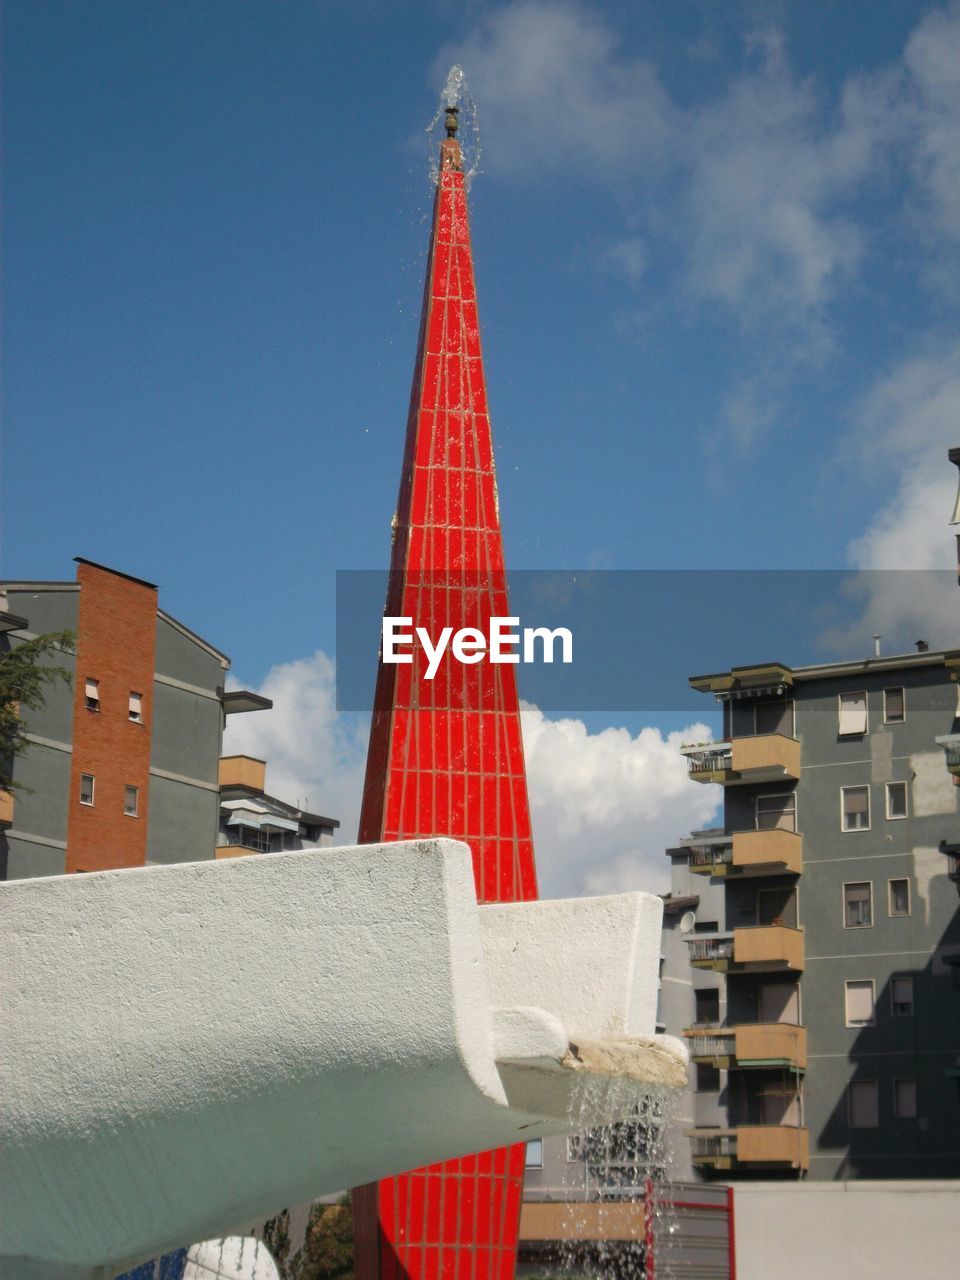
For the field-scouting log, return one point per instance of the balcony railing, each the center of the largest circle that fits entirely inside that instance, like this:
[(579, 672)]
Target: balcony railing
[(710, 950), (711, 1044), (709, 1145), (711, 855), (708, 757)]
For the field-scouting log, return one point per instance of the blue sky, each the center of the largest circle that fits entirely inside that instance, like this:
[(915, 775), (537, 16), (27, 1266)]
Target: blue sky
[(716, 246)]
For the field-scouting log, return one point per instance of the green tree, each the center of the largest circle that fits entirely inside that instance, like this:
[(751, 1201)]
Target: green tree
[(24, 677), (327, 1252)]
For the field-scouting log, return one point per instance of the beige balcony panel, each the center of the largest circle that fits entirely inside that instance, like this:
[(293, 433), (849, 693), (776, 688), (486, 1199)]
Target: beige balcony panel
[(768, 757), (773, 1144), (570, 1221), (243, 771), (772, 946), (6, 809), (778, 849), (771, 1041)]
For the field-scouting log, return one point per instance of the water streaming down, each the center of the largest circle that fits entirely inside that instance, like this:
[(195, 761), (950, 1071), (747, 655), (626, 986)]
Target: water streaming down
[(614, 1220)]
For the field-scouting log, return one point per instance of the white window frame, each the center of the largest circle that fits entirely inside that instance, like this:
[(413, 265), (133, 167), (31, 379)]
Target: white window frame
[(91, 694), (897, 817), (897, 1113), (899, 915), (876, 1094), (93, 789), (527, 1162), (135, 811), (843, 891), (894, 1011), (853, 733), (858, 982), (775, 795), (855, 786), (135, 707), (896, 688)]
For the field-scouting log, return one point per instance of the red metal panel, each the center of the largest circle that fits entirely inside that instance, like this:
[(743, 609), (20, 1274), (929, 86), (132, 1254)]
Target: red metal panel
[(446, 755)]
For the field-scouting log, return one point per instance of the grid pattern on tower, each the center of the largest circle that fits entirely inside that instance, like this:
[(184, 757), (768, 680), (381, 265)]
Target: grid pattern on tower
[(446, 755)]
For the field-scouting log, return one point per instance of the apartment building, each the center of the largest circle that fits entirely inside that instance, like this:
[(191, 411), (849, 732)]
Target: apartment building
[(122, 764), (826, 1026), (251, 821)]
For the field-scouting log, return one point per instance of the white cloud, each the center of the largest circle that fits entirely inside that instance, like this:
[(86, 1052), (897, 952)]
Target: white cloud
[(605, 805), (932, 57), (905, 425)]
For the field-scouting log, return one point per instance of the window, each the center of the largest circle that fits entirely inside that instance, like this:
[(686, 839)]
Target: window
[(135, 708), (707, 1005), (777, 812), (853, 713), (858, 904), (131, 801), (896, 799), (859, 996), (855, 808), (574, 1147), (86, 788), (534, 1158), (708, 1078), (901, 995), (863, 1110), (898, 897), (92, 694), (893, 706), (905, 1099)]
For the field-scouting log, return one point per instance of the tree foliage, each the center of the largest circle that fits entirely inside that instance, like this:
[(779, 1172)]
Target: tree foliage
[(327, 1249), (24, 677)]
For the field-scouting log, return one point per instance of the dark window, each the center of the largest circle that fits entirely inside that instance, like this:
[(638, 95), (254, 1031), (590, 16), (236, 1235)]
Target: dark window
[(707, 1005), (708, 1078)]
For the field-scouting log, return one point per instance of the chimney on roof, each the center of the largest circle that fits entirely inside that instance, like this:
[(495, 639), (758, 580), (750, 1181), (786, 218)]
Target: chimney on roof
[(922, 646), (876, 646)]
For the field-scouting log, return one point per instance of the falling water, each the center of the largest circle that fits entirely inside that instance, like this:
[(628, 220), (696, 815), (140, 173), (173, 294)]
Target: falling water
[(456, 94), (611, 1179)]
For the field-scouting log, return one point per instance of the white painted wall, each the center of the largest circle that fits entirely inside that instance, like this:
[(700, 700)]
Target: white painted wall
[(847, 1230)]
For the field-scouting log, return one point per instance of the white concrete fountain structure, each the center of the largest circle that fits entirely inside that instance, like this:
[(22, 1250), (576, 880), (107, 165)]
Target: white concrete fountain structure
[(188, 1048)]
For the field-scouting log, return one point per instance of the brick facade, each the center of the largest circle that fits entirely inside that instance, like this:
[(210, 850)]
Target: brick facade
[(116, 646)]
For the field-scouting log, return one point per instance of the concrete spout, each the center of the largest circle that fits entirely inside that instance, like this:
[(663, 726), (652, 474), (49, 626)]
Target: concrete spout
[(186, 1048)]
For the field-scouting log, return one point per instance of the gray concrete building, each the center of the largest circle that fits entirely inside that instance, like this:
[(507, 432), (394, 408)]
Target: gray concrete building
[(826, 1027)]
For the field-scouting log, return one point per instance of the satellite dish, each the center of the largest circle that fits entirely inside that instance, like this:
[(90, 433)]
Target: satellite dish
[(687, 921)]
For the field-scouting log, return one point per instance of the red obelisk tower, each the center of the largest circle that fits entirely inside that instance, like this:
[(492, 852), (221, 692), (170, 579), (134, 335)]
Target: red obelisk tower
[(445, 755)]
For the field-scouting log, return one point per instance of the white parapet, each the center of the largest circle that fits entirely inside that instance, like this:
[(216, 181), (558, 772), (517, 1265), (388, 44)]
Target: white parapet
[(189, 1047)]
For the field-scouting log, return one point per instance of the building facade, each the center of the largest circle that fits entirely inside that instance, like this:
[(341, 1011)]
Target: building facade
[(826, 1028), (122, 764)]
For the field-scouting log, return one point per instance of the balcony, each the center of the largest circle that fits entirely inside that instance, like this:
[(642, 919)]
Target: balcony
[(951, 747), (767, 757), (767, 948), (775, 852), (6, 809), (767, 1146), (750, 1045)]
